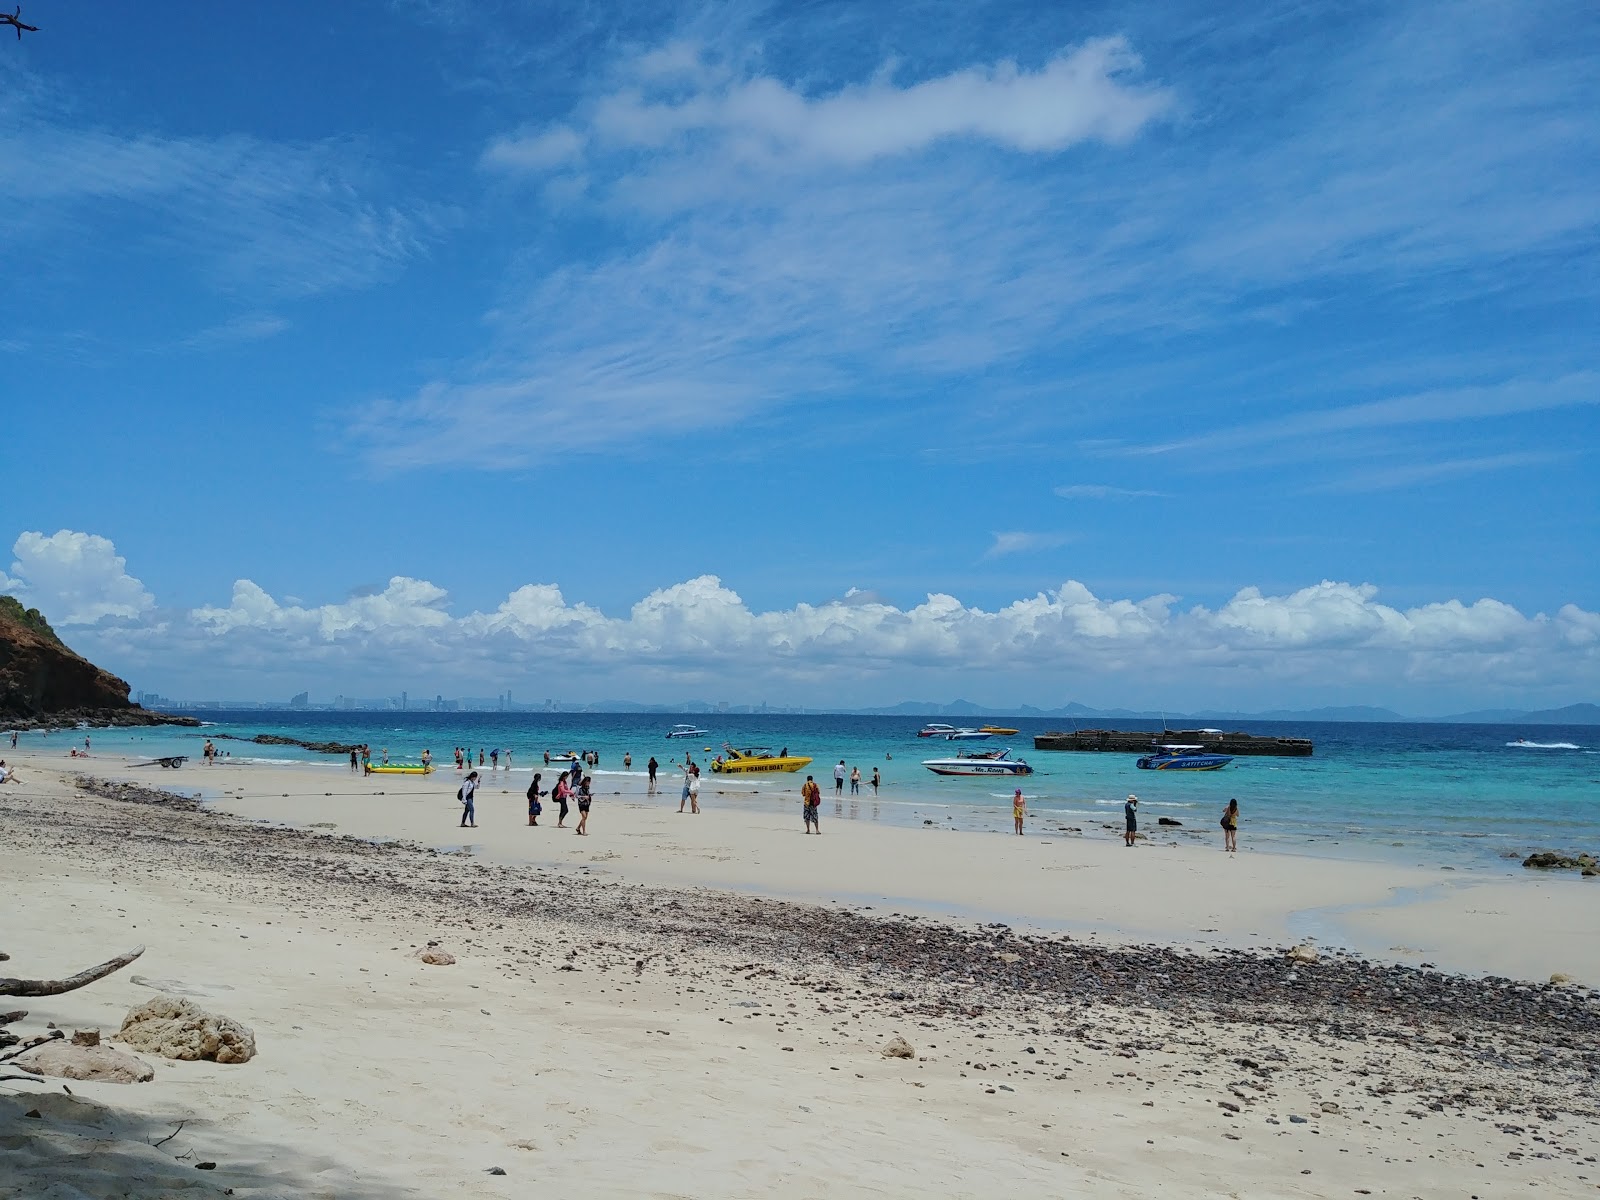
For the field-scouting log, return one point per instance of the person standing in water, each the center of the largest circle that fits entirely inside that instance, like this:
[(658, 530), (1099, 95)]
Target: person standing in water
[(1230, 827), (855, 781), (653, 766), (876, 780), (1019, 810)]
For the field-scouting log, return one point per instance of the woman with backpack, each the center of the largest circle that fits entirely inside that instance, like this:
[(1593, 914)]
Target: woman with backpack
[(562, 791)]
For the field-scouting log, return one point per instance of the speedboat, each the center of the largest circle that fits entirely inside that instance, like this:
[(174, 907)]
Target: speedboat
[(1000, 730), (1183, 758), (755, 760), (968, 735), (937, 730), (994, 762), (678, 731)]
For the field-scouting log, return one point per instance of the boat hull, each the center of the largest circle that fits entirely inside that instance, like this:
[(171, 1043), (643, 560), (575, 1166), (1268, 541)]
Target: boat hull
[(760, 766), (1184, 762), (977, 767)]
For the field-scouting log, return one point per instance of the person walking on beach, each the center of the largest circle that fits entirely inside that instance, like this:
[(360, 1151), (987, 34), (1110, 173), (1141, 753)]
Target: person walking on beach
[(427, 757), (534, 807), (585, 798), (688, 774), (1130, 816), (1230, 827), (694, 789), (561, 795), (627, 761), (1019, 810), (811, 804), (652, 766), (465, 794), (855, 781), (838, 779), (876, 779)]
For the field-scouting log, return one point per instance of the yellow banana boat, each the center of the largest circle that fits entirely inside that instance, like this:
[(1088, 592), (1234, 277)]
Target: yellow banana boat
[(400, 769)]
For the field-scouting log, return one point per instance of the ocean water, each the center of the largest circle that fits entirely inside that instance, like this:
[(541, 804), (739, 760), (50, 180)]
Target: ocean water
[(1413, 791)]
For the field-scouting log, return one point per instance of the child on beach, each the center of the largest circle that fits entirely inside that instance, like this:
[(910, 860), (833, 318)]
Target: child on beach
[(585, 798), (1019, 810), (1230, 827)]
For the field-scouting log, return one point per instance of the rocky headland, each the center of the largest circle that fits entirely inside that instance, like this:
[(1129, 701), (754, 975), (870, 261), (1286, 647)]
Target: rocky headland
[(44, 684)]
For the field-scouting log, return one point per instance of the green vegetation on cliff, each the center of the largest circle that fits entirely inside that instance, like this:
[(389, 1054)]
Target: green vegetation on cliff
[(11, 607)]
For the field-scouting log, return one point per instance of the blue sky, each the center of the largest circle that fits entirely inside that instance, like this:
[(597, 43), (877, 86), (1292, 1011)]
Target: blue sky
[(1166, 355)]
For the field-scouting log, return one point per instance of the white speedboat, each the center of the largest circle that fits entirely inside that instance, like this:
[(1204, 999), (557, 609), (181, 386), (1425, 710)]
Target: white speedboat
[(935, 729), (678, 731), (994, 762), (968, 735)]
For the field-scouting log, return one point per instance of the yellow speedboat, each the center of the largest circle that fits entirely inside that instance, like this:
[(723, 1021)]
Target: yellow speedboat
[(399, 769), (755, 760), (1002, 731)]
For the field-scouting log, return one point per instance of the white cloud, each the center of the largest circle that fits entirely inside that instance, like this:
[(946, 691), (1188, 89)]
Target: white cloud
[(552, 147), (1085, 93), (1018, 542), (701, 631), (74, 579)]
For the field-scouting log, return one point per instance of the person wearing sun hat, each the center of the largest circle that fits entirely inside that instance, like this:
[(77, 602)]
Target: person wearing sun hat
[(1130, 813)]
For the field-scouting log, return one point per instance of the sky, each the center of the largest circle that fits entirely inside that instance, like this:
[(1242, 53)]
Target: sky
[(1167, 355)]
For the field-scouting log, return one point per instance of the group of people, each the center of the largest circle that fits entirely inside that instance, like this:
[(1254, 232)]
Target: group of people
[(839, 775), (1130, 821), (570, 786), (463, 757)]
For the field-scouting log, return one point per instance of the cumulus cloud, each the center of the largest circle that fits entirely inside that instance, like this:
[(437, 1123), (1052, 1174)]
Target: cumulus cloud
[(74, 579), (702, 630)]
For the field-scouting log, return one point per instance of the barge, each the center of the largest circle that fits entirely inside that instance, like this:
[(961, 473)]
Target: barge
[(1145, 741)]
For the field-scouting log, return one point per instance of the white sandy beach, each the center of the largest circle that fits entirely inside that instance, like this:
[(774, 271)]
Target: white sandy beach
[(661, 1072)]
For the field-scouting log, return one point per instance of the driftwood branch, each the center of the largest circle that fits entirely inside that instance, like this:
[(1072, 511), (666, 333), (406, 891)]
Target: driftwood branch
[(15, 21), (55, 1035), (54, 987)]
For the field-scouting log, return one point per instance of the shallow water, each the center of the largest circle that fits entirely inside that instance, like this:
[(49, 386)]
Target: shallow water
[(1439, 791)]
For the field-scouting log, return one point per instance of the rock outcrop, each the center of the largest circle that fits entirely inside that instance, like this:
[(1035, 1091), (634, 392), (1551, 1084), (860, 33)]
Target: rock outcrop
[(176, 1028), (43, 682), (65, 1060)]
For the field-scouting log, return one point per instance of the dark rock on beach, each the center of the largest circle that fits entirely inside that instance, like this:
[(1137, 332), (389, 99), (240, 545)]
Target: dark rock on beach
[(273, 739), (1549, 860)]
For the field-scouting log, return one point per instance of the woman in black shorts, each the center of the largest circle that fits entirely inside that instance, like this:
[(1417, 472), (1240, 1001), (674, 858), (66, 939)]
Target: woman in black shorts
[(585, 798)]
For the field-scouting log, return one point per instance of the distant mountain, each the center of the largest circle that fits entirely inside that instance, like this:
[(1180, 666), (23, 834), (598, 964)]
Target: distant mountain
[(1351, 712), (1572, 714)]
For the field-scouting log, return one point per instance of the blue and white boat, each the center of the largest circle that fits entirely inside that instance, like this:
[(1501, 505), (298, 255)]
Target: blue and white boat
[(678, 731), (993, 762), (1183, 758)]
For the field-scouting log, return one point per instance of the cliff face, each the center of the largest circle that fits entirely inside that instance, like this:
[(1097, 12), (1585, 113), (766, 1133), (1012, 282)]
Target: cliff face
[(41, 677)]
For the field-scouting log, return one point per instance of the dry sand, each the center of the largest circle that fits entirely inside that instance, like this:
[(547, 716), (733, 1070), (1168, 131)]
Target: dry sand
[(682, 1006)]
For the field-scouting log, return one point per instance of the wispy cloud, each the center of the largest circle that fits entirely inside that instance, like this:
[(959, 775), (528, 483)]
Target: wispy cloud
[(1445, 405), (1102, 491), (250, 327), (1383, 479), (1018, 542)]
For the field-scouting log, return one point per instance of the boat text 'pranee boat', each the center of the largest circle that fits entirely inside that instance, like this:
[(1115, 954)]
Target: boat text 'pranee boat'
[(756, 760)]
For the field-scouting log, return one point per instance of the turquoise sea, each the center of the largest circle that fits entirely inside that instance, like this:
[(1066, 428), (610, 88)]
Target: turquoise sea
[(1456, 792)]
